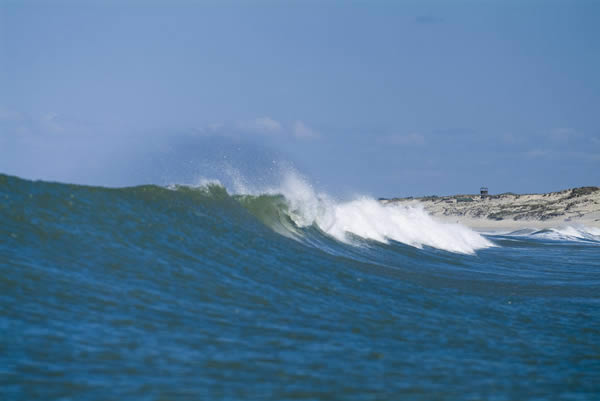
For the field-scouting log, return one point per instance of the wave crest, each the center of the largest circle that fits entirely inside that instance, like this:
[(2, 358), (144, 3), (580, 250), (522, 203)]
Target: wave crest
[(295, 205)]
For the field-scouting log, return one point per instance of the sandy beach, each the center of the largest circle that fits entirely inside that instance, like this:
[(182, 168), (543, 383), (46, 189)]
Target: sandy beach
[(571, 207)]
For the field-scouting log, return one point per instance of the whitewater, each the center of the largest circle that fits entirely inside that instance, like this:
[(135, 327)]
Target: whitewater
[(362, 217), (281, 291)]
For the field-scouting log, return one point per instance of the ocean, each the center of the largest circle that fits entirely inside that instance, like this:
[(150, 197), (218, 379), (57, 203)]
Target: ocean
[(209, 293)]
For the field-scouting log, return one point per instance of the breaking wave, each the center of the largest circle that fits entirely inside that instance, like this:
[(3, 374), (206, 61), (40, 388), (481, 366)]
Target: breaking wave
[(295, 205), (566, 233)]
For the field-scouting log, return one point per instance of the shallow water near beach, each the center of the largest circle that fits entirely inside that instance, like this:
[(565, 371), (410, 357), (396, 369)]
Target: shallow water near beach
[(153, 293)]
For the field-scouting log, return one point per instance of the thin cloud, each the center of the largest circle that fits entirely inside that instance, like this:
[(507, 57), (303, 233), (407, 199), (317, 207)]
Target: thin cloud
[(564, 134), (215, 126), (262, 125), (302, 131), (51, 122)]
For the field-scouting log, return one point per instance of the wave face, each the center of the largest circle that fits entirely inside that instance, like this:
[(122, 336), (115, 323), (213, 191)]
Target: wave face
[(279, 293)]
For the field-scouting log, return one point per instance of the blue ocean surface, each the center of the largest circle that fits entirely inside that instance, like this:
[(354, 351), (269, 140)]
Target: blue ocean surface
[(199, 293)]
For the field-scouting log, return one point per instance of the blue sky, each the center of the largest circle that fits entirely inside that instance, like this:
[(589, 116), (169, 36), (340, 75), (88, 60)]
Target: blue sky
[(380, 97)]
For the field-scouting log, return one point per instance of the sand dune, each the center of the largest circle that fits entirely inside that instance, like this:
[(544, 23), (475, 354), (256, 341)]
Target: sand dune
[(577, 206)]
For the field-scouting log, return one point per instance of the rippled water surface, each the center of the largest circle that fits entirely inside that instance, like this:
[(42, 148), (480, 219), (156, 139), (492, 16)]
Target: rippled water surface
[(150, 293)]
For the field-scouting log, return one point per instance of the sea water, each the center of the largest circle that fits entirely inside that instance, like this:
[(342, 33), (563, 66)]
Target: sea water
[(189, 293)]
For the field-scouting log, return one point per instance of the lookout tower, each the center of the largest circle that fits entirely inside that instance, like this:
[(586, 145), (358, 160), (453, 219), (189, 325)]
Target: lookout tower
[(483, 191)]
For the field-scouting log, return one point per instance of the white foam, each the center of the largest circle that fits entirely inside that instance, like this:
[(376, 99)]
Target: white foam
[(199, 183), (207, 182), (367, 218), (571, 233), (363, 217)]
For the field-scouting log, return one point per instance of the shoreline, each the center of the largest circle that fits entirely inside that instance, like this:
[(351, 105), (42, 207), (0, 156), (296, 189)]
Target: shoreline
[(485, 225), (570, 207)]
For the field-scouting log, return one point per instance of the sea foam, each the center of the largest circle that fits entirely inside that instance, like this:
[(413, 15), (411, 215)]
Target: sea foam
[(368, 218), (570, 233)]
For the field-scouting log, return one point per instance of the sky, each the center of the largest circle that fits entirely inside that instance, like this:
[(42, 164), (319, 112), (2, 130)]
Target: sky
[(383, 98)]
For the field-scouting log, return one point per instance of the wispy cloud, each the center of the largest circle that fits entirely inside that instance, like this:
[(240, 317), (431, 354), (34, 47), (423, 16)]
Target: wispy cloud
[(564, 134), (51, 122), (302, 131), (262, 125), (45, 125)]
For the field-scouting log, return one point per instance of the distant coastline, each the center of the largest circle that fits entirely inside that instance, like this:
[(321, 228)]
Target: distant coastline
[(575, 206)]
